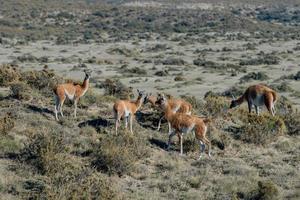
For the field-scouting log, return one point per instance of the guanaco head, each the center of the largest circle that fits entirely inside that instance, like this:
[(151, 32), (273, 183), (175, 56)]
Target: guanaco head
[(87, 74), (146, 99), (141, 93), (161, 100), (233, 103)]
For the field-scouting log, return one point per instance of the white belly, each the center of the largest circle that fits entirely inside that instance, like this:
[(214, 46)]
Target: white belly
[(127, 113), (187, 129), (69, 96), (259, 100)]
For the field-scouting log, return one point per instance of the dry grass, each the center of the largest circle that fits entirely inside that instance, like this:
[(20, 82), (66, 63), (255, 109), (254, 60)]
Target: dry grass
[(253, 157)]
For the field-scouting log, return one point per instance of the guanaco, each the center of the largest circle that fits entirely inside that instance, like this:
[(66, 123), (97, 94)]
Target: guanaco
[(183, 124), (177, 105), (71, 91), (127, 109), (257, 95)]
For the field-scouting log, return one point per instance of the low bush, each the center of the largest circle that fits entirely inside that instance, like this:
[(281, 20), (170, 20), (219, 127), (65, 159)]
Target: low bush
[(179, 78), (21, 91), (215, 105), (264, 59), (254, 76), (261, 129), (6, 123), (162, 73), (266, 190), (118, 154), (124, 51), (116, 88), (44, 152), (135, 70), (8, 75)]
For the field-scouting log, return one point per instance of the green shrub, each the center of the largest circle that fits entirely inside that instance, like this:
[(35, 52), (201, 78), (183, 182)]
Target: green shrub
[(124, 51), (254, 76), (8, 75), (215, 105), (116, 88), (44, 152), (6, 123), (118, 154), (261, 129), (264, 59), (266, 190), (179, 78), (21, 91)]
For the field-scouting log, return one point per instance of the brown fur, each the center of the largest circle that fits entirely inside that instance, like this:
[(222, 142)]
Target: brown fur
[(71, 91), (269, 96), (180, 122), (131, 107)]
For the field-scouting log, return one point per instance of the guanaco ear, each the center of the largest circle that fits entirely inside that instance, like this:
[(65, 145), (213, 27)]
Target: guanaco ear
[(150, 93), (138, 91)]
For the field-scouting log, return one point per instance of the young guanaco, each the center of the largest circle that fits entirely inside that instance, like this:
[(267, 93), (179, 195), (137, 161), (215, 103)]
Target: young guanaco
[(183, 123), (71, 91), (257, 95), (127, 109)]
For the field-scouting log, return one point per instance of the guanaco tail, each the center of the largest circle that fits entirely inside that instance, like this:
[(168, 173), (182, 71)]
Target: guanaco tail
[(127, 109), (183, 124), (71, 91), (257, 96)]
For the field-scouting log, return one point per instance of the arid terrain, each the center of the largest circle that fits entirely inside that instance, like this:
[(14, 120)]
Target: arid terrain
[(202, 51)]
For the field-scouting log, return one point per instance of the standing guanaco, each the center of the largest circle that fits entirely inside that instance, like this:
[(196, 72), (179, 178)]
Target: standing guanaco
[(177, 106), (257, 95), (127, 109), (183, 123), (71, 91)]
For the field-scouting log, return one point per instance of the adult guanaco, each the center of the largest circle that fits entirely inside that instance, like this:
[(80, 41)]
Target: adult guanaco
[(176, 105), (183, 124), (127, 109), (257, 95), (71, 91)]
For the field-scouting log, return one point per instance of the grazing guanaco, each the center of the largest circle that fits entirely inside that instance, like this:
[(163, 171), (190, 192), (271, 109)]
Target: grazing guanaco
[(71, 91), (257, 95), (127, 109), (183, 123)]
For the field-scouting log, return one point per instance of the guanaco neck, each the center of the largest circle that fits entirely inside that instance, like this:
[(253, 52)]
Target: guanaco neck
[(168, 112), (240, 100), (85, 84), (138, 103)]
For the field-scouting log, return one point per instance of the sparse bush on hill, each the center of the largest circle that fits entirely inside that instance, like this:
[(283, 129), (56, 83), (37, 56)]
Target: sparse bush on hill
[(215, 105), (134, 70), (21, 91), (44, 152), (8, 74), (261, 129), (118, 154), (116, 88), (266, 190), (162, 73), (7, 122), (124, 51), (171, 61), (264, 59), (233, 91), (254, 76)]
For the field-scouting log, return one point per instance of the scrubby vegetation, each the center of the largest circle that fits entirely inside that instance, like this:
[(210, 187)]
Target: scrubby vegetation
[(205, 52)]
